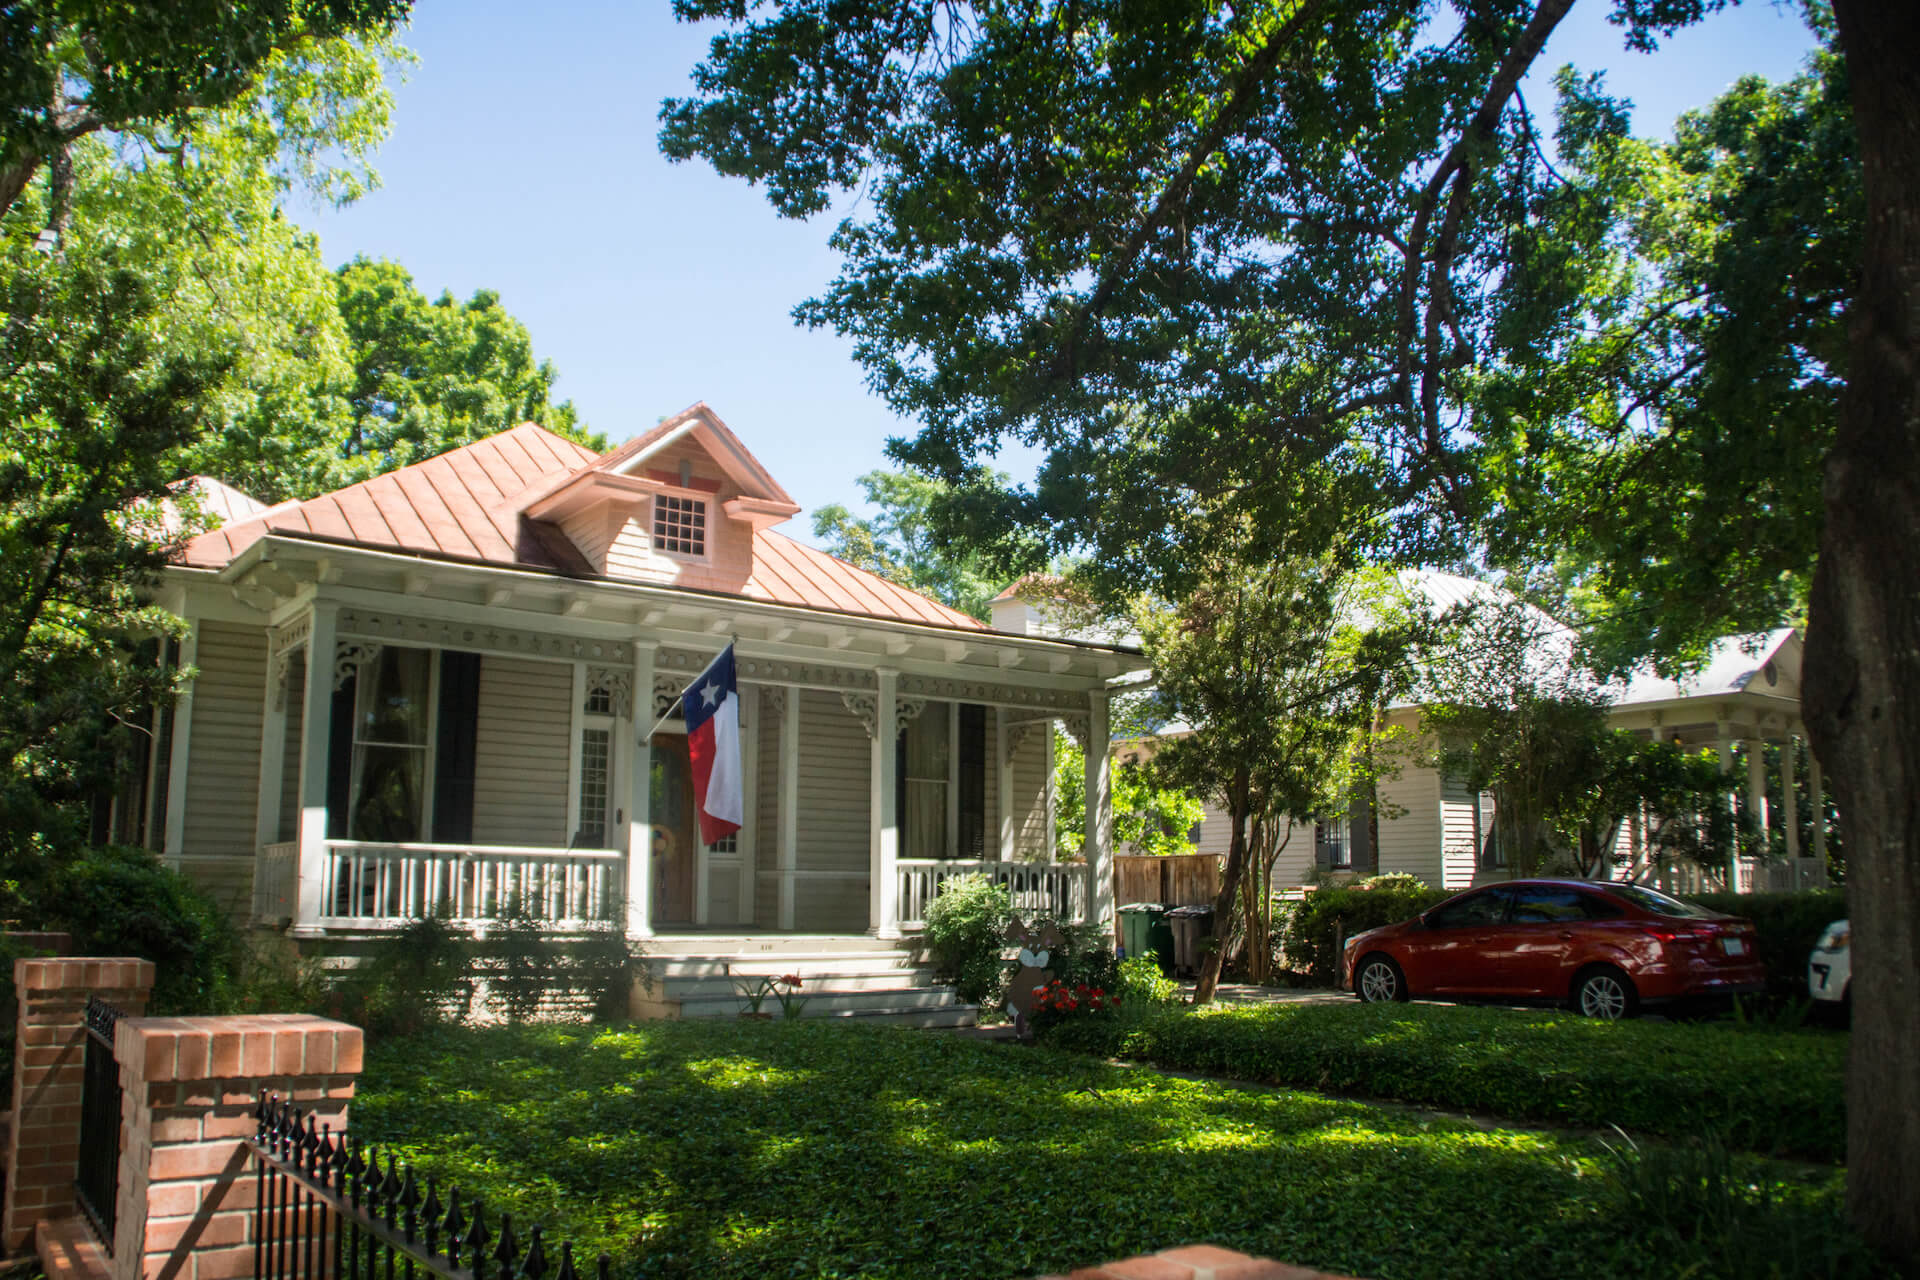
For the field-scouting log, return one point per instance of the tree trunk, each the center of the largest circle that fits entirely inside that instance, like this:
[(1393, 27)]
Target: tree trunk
[(1223, 906), (1863, 636)]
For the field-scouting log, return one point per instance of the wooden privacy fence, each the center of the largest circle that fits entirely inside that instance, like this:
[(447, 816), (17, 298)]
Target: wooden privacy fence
[(1181, 880)]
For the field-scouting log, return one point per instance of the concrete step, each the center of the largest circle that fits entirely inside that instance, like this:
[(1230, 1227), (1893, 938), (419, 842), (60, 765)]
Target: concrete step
[(957, 1015), (824, 1003), (824, 962), (697, 946), (687, 988)]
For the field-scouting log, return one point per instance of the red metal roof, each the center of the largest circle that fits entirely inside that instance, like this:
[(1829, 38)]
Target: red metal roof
[(465, 505)]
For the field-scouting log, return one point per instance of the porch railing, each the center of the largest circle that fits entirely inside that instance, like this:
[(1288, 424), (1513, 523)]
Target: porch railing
[(1058, 889), (276, 881), (383, 886)]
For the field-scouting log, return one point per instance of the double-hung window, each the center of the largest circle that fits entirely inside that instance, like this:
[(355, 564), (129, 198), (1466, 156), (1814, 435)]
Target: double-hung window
[(388, 800)]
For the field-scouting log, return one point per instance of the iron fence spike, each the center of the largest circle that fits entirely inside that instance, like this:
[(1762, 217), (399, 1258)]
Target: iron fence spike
[(566, 1271), (535, 1265), (506, 1251)]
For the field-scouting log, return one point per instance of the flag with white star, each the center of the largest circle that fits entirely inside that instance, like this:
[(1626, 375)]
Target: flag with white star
[(711, 706)]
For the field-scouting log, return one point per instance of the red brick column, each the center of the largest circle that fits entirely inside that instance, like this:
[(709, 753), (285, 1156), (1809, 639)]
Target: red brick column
[(49, 1053), (191, 1085)]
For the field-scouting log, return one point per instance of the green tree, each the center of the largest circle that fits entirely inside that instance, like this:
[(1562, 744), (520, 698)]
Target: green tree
[(1147, 819), (903, 545), (1284, 687), (1192, 250), (429, 376)]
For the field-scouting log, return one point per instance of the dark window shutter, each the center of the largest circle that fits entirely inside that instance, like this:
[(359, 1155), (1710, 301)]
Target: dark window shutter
[(340, 757), (1322, 846), (1360, 833), (454, 736), (973, 781), (900, 790)]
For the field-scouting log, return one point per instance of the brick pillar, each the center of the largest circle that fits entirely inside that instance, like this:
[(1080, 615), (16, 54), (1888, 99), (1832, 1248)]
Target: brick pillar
[(191, 1084), (50, 1050)]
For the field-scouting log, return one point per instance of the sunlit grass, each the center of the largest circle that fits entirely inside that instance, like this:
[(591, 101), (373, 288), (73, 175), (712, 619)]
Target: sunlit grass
[(767, 1149)]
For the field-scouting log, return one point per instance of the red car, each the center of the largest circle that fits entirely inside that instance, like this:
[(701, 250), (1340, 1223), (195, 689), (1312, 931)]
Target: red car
[(1606, 948)]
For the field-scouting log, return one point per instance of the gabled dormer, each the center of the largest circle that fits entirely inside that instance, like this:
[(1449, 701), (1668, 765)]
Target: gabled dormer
[(678, 505)]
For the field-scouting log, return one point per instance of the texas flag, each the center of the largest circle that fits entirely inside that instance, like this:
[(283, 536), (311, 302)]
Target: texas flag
[(712, 710)]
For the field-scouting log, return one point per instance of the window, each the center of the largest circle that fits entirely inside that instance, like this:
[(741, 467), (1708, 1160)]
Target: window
[(596, 772), (1658, 903), (1331, 847), (927, 758), (680, 525), (1549, 906), (388, 787), (1464, 913)]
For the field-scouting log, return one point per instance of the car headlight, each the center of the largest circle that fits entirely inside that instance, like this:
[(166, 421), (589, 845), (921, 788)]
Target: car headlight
[(1837, 936)]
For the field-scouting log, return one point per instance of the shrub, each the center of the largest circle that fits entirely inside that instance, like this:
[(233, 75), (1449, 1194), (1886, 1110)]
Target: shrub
[(967, 929), (1142, 983), (120, 901), (1317, 925), (1787, 925), (1085, 957), (1770, 1091), (524, 963), (1059, 1002), (414, 979)]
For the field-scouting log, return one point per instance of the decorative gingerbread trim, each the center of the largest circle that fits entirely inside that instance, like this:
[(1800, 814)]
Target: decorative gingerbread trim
[(348, 657), (483, 637), (617, 683)]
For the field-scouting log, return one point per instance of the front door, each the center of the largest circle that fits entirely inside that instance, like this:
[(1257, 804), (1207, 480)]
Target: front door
[(674, 853)]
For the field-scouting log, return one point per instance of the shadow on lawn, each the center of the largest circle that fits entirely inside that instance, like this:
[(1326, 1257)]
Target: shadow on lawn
[(758, 1150)]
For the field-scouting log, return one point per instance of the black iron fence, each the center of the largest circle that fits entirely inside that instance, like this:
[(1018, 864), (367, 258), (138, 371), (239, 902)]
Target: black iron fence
[(327, 1210), (96, 1181)]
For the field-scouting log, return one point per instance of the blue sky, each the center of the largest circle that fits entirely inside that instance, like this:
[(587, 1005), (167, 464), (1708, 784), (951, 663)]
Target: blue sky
[(523, 160)]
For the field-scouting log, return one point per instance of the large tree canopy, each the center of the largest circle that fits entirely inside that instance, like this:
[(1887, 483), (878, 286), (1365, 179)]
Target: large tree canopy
[(1193, 250)]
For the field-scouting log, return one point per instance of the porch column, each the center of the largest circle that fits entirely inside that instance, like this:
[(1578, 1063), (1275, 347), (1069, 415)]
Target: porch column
[(174, 838), (883, 806), (789, 806), (273, 749), (316, 747), (1757, 801), (1723, 752), (640, 797), (1790, 805), (1099, 844), (1817, 796)]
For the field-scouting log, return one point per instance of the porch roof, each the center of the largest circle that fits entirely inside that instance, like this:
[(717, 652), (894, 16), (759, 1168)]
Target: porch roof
[(466, 505)]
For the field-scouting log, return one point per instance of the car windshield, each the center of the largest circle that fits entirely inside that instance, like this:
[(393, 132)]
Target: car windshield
[(1659, 903)]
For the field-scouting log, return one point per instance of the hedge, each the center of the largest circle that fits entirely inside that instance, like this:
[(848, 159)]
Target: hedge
[(1788, 925), (1761, 1090)]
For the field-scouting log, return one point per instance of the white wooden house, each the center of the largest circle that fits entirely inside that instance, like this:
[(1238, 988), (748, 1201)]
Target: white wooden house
[(433, 690)]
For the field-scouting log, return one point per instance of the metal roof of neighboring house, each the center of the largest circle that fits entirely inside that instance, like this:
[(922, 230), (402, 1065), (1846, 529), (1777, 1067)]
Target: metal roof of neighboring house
[(221, 503), (466, 504), (1732, 662)]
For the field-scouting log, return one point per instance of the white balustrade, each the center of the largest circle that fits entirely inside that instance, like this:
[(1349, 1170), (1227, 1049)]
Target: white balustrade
[(384, 886), (275, 878), (1058, 889)]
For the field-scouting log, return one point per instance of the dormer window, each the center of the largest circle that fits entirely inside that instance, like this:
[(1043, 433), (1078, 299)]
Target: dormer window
[(680, 525)]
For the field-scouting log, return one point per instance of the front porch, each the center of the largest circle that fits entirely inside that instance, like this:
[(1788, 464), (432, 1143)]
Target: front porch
[(412, 765)]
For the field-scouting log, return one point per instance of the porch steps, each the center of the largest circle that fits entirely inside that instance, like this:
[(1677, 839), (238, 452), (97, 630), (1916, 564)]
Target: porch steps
[(853, 977)]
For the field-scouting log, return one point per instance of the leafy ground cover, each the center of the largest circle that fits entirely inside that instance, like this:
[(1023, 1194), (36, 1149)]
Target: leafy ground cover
[(786, 1149), (1761, 1089)]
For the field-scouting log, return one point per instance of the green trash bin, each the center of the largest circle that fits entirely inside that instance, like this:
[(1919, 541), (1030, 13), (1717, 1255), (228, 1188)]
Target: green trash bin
[(1144, 932)]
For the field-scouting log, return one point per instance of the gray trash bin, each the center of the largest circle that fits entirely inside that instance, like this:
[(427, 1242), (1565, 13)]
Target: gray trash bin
[(1189, 925)]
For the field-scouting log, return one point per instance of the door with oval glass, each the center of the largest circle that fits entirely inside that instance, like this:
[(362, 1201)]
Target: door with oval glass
[(675, 855)]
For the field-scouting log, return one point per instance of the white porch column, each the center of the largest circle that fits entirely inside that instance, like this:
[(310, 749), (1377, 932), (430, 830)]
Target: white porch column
[(1099, 845), (640, 796), (1817, 796), (316, 748), (883, 808), (1723, 750), (1790, 804), (273, 751), (174, 838), (789, 807), (1757, 802)]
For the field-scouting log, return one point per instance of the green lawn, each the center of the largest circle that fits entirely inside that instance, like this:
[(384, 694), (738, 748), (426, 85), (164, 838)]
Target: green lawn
[(1772, 1091), (805, 1149)]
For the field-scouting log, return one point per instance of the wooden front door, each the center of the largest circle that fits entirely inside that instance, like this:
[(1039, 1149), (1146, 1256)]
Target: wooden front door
[(674, 832)]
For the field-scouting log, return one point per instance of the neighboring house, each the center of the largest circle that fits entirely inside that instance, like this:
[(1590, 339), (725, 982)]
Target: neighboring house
[(444, 687), (1435, 828)]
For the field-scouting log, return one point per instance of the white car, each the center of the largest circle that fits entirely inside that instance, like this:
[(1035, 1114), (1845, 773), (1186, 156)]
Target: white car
[(1830, 967)]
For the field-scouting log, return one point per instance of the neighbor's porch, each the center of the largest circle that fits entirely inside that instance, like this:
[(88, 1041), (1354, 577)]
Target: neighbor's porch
[(409, 766)]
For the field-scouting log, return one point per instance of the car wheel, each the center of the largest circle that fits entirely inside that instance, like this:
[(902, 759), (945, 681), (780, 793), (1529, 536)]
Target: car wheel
[(1606, 993), (1378, 979)]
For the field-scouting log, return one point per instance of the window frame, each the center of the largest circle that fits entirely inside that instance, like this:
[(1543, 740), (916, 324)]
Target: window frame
[(429, 749), (705, 502)]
